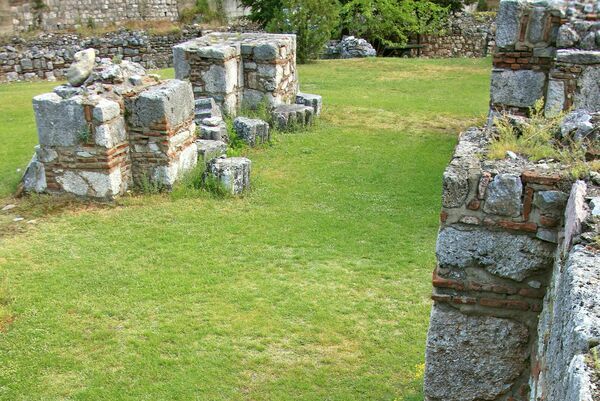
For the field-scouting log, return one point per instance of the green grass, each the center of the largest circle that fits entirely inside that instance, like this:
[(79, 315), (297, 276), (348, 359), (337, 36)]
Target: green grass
[(315, 286)]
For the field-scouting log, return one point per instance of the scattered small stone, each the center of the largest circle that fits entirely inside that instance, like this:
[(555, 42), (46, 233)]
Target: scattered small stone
[(17, 219), (31, 221), (9, 207), (511, 155), (595, 206)]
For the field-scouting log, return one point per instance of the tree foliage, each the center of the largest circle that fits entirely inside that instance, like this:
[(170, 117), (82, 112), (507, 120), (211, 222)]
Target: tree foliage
[(312, 21), (391, 22)]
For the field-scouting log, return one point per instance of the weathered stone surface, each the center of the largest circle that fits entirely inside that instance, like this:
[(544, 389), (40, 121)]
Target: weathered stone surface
[(567, 37), (595, 206), (166, 176), (106, 110), (517, 88), (82, 67), (465, 360), (125, 71), (575, 214), (103, 185), (34, 179), (569, 328), (180, 61), (503, 196), (209, 150), (171, 102), (110, 134), (232, 173), (537, 24), (455, 187), (551, 203), (287, 116), (507, 21), (252, 131), (218, 133), (576, 125), (67, 91), (59, 122), (314, 101), (588, 95), (501, 253), (73, 183), (555, 98), (573, 56)]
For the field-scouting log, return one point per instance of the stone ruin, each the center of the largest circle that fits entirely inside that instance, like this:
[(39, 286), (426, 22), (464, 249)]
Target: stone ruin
[(516, 311), (114, 127), (246, 71)]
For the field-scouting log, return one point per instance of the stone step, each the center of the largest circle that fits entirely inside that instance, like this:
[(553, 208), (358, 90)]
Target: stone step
[(252, 131), (288, 116), (314, 101), (209, 150)]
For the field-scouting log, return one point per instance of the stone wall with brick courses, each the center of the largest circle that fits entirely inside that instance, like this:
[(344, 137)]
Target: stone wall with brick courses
[(509, 256), (500, 225), (48, 56), (120, 130), (466, 35), (240, 70), (546, 51)]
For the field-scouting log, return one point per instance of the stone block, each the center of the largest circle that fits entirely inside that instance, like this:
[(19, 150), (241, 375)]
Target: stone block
[(166, 176), (232, 173), (60, 122), (517, 88), (503, 196), (110, 134), (537, 24), (170, 103), (588, 95), (209, 150), (573, 56), (34, 179), (105, 185), (507, 255), (287, 116), (550, 203), (252, 131), (472, 358), (567, 37), (181, 62), (106, 110), (455, 185), (314, 101), (82, 66), (508, 23)]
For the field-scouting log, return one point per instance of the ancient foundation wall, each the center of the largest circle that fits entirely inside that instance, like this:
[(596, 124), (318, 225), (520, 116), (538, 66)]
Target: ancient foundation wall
[(240, 70), (545, 52), (505, 256), (48, 56), (121, 129)]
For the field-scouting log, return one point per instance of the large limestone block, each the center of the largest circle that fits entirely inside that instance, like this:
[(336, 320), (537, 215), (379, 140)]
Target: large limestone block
[(180, 61), (171, 103), (472, 358), (517, 88), (110, 134), (166, 176), (503, 254), (59, 122), (104, 185)]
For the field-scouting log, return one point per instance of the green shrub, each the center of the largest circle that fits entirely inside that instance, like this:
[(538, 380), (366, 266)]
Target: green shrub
[(202, 8), (312, 21), (391, 22)]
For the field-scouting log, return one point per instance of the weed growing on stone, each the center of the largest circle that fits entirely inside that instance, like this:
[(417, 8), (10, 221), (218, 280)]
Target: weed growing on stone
[(84, 135), (536, 139), (533, 138)]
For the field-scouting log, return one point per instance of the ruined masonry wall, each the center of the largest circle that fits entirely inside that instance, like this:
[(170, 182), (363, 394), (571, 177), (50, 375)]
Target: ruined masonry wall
[(546, 52), (240, 70), (505, 263), (48, 56), (102, 140), (466, 35)]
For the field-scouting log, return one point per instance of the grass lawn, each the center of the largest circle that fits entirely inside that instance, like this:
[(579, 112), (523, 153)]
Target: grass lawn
[(315, 286)]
